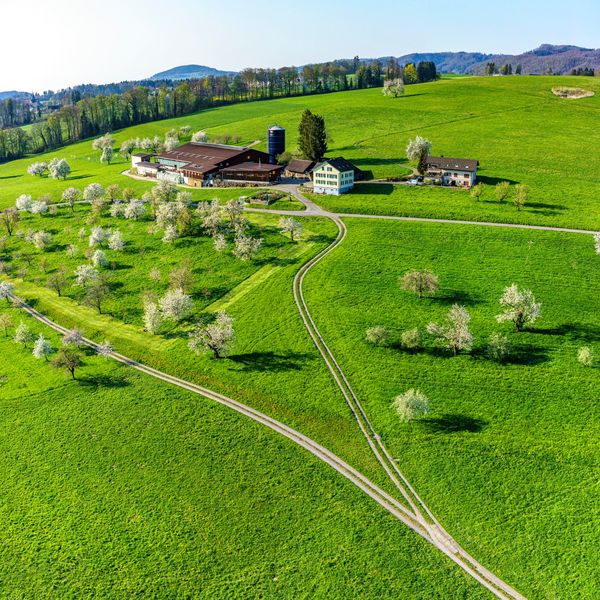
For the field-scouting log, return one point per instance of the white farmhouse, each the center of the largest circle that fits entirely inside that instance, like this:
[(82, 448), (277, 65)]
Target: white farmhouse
[(333, 176)]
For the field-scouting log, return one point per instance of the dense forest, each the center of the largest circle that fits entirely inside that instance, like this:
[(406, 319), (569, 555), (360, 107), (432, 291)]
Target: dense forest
[(78, 115)]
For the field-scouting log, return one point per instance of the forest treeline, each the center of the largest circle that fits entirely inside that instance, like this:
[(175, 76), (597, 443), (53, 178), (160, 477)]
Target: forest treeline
[(80, 116)]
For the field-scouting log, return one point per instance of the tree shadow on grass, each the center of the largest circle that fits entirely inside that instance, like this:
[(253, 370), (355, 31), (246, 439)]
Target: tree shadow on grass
[(320, 238), (494, 180), (526, 355), (271, 361), (456, 297), (572, 331), (453, 423), (76, 177), (372, 189)]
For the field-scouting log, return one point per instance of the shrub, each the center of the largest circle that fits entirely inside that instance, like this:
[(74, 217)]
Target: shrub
[(585, 356), (499, 347), (411, 405), (378, 336), (412, 339)]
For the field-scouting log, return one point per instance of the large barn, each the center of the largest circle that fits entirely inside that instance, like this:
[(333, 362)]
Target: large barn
[(198, 164)]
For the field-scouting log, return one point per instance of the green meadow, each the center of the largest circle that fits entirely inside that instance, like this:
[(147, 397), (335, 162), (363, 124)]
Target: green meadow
[(509, 456), (515, 127), (116, 485)]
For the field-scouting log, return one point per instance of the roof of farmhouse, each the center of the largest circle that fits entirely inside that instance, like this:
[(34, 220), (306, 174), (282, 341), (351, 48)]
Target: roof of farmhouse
[(339, 163), (202, 154), (460, 164)]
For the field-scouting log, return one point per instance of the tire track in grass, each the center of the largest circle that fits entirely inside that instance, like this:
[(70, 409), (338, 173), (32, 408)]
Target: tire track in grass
[(441, 539)]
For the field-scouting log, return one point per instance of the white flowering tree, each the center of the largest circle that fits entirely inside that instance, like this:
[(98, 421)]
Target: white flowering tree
[(455, 333), (519, 306), (219, 242), (59, 168), (127, 148), (170, 143), (93, 192), (291, 226), (200, 137), (392, 88), (106, 141), (6, 291), (167, 213), (105, 349), (41, 239), (39, 208), (115, 241), (107, 155), (73, 337), (597, 242), (24, 202), (176, 305), (170, 234), (42, 348), (86, 275), (37, 169), (135, 210), (99, 259), (97, 237), (153, 318), (70, 196), (411, 405), (246, 247), (117, 209), (216, 337), (23, 335), (418, 149)]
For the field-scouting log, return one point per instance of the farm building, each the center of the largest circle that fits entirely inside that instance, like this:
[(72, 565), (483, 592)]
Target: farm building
[(198, 164), (251, 171), (299, 169), (456, 172), (333, 176)]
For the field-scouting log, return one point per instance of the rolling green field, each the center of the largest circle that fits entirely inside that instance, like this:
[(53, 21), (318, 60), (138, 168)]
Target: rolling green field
[(514, 126), (119, 486), (508, 458), (110, 478)]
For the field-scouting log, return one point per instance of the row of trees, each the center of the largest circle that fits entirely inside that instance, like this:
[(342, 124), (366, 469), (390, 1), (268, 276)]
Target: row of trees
[(492, 68), (82, 117)]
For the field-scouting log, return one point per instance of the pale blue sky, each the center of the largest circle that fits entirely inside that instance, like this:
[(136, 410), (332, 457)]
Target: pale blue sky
[(64, 42)]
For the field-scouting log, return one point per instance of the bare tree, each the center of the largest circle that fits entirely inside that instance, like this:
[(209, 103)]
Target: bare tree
[(69, 359), (420, 282)]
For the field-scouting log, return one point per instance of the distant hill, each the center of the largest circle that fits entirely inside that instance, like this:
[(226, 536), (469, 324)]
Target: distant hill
[(546, 58), (15, 95), (189, 72)]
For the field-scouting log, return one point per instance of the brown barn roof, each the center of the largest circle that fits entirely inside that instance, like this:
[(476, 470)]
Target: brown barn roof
[(460, 164), (204, 157), (297, 165)]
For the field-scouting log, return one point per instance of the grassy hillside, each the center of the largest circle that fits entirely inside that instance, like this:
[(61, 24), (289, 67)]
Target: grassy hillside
[(508, 458), (120, 486), (514, 125)]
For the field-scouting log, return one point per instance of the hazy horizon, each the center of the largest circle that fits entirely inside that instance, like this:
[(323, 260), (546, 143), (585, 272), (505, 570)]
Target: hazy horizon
[(61, 45)]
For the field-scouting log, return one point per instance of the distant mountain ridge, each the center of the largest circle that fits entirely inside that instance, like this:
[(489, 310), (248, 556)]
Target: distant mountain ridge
[(546, 58), (189, 72)]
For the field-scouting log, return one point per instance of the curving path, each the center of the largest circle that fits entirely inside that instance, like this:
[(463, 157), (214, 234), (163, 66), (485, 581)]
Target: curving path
[(429, 532), (314, 210), (413, 512)]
